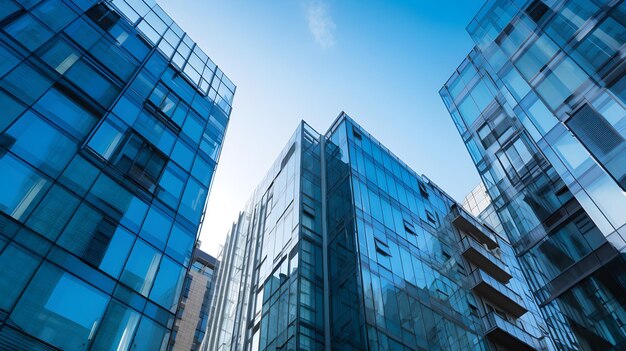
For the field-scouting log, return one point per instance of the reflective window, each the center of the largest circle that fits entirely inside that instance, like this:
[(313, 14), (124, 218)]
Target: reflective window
[(39, 143), (139, 160), (17, 265), (156, 227), (180, 244), (97, 240), (124, 207), (117, 328), (141, 268), (150, 336), (68, 111), (22, 187), (29, 32), (193, 200), (107, 137), (171, 185), (79, 175), (26, 83), (11, 109), (561, 82), (92, 82), (54, 211), (55, 14), (535, 57), (48, 309), (168, 284)]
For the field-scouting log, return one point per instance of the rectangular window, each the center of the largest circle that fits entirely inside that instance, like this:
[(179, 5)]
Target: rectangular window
[(139, 160), (602, 140)]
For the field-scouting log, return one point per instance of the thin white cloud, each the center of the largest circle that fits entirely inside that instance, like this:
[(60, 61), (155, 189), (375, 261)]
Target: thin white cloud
[(321, 23)]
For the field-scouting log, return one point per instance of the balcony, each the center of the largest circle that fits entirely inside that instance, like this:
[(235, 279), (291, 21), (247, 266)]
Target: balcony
[(484, 259), (467, 223), (505, 333), (488, 287)]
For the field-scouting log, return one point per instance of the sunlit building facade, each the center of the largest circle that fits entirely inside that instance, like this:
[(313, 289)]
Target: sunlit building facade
[(344, 247), (540, 104), (111, 125)]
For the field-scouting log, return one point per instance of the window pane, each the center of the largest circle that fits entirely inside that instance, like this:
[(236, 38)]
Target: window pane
[(107, 137), (26, 83), (193, 200), (11, 108), (79, 175), (118, 325), (141, 268), (561, 83), (101, 89), (168, 284), (53, 212), (180, 244), (42, 145), (171, 185), (22, 187), (156, 227), (48, 308), (124, 207), (68, 112), (150, 336), (97, 240), (535, 57), (28, 31), (16, 267)]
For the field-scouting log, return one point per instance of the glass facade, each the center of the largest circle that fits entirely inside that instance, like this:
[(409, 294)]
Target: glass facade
[(111, 122), (192, 315), (344, 247), (540, 105)]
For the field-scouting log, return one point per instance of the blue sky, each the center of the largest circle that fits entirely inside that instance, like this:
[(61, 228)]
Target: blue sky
[(383, 62)]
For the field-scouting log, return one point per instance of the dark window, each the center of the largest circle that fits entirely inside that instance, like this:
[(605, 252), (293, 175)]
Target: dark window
[(602, 140), (139, 160), (537, 10), (103, 16)]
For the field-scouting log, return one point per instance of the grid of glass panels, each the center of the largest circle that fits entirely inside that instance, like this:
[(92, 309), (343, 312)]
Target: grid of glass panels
[(107, 154), (549, 144)]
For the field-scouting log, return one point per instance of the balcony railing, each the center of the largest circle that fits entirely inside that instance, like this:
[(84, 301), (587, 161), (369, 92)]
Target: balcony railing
[(484, 259), (467, 223), (505, 333), (496, 292)]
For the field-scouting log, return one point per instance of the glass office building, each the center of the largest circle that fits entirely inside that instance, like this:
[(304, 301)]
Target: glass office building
[(540, 104), (344, 247), (111, 122), (192, 315)]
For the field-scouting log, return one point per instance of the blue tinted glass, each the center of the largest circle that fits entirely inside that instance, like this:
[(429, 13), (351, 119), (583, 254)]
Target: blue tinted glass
[(17, 265), (168, 284), (10, 110), (127, 110), (193, 128), (8, 60), (48, 308), (156, 227), (55, 14), (26, 83), (183, 155), (141, 268), (82, 33), (150, 336), (202, 170), (28, 31), (53, 212), (41, 144), (121, 200), (107, 137), (171, 185), (155, 132), (93, 83), (68, 113), (180, 244), (193, 200), (22, 187), (79, 175), (117, 251), (118, 325)]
